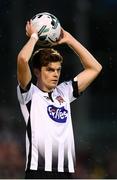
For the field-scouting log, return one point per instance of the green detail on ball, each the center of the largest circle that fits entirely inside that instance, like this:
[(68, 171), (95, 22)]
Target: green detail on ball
[(46, 30)]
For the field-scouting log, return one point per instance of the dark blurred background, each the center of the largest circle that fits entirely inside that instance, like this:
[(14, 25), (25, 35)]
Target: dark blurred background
[(94, 24)]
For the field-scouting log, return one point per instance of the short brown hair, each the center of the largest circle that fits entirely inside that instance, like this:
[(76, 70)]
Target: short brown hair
[(44, 56)]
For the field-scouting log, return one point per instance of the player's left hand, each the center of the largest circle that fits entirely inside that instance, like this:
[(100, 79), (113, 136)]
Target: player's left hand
[(64, 37)]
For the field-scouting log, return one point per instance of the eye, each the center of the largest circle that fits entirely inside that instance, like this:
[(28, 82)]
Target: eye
[(59, 69), (50, 69)]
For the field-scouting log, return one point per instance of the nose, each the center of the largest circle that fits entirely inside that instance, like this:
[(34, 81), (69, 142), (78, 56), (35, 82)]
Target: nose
[(56, 74)]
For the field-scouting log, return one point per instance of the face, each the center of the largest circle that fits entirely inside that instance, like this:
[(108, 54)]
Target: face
[(48, 77)]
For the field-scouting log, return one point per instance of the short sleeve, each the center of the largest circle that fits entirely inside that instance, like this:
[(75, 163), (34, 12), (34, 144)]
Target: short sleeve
[(25, 96), (70, 90)]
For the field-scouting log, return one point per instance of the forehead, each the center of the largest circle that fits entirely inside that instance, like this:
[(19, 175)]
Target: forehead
[(54, 65)]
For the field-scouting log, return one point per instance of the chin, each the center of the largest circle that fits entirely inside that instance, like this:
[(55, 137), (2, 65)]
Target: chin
[(53, 86)]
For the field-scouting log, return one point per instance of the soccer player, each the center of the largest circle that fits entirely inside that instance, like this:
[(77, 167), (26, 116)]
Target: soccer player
[(50, 151)]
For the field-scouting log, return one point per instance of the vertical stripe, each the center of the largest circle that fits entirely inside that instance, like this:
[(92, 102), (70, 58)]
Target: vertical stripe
[(48, 154), (73, 153), (70, 158), (28, 129), (30, 143), (60, 157), (66, 157), (55, 157), (41, 161)]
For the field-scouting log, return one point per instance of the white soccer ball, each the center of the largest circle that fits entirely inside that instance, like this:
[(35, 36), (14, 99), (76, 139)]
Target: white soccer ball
[(48, 27)]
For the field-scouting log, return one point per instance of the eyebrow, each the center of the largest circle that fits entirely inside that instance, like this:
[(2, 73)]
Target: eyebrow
[(53, 69)]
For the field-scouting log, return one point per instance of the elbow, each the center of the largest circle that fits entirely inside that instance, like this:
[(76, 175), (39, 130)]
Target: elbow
[(21, 59), (99, 68)]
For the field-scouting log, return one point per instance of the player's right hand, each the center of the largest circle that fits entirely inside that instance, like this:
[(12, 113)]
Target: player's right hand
[(30, 29)]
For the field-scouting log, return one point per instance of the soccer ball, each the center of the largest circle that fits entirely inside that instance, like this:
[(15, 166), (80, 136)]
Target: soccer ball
[(48, 27)]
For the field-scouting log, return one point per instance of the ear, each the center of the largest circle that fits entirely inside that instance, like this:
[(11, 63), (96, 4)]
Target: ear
[(36, 72)]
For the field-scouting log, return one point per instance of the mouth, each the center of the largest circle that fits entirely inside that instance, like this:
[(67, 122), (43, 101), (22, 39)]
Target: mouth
[(54, 81)]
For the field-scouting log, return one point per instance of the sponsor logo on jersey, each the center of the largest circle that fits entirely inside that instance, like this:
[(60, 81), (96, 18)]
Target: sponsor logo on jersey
[(57, 114)]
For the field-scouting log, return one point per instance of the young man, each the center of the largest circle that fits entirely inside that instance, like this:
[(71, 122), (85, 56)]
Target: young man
[(45, 106)]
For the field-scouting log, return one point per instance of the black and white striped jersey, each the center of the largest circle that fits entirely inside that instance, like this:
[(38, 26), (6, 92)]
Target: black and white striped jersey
[(49, 132)]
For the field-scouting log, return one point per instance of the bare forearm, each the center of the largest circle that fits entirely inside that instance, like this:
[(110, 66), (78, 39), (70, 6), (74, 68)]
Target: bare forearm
[(23, 69), (27, 50), (91, 66)]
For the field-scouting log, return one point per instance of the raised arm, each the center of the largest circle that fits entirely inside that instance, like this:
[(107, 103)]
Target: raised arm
[(23, 69), (91, 66)]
